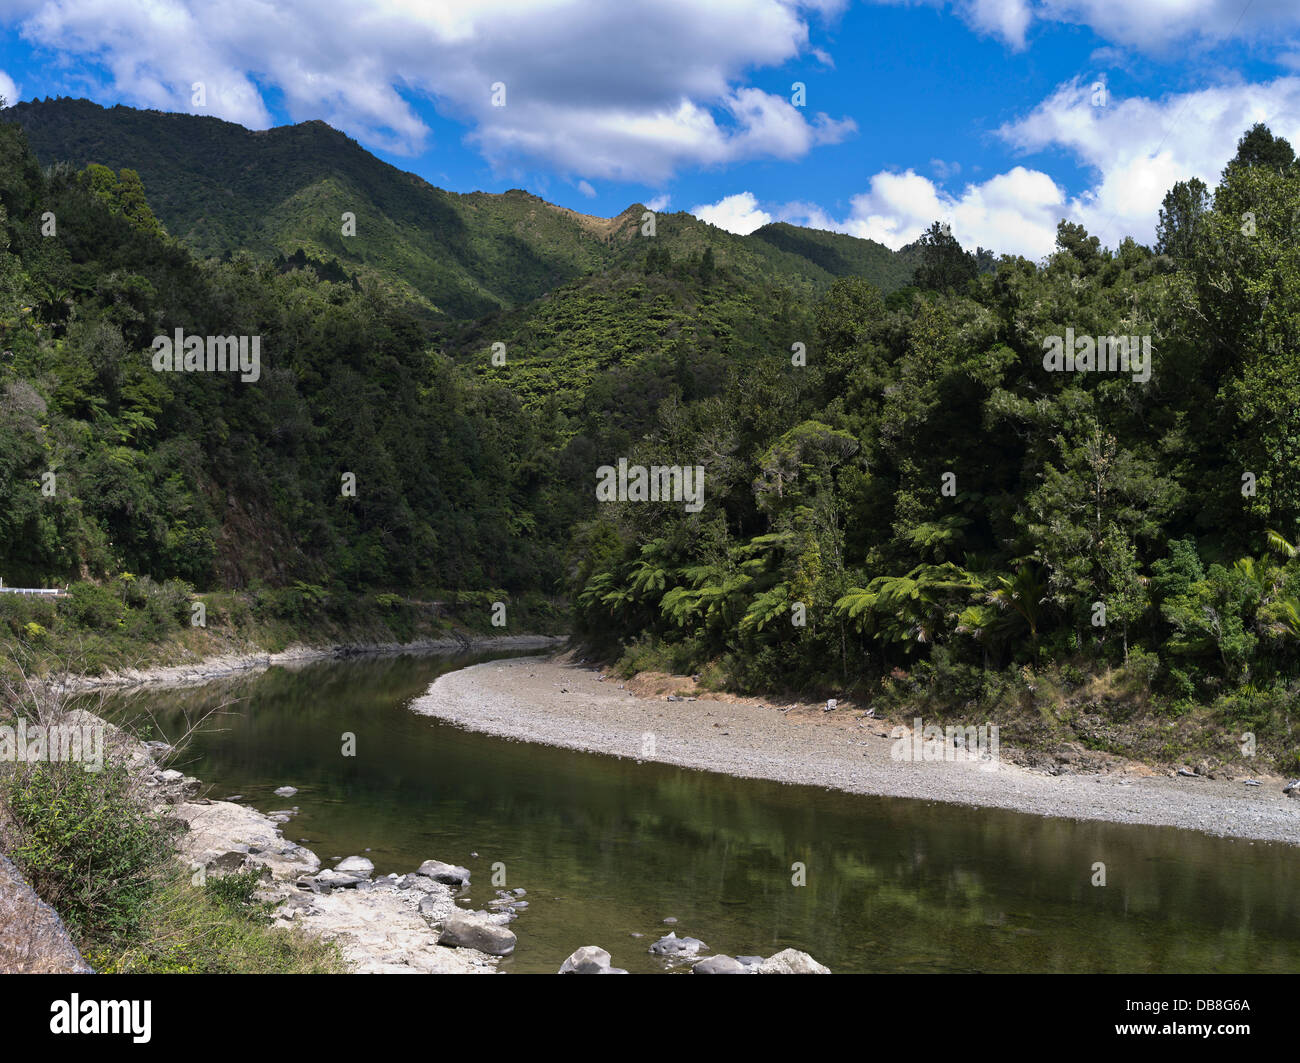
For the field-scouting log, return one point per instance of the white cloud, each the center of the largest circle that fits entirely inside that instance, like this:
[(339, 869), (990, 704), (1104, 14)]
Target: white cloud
[(1148, 25), (1008, 19), (943, 170), (1014, 212), (659, 202), (585, 188), (9, 89), (1156, 25), (630, 91), (1139, 148), (1136, 150), (737, 214)]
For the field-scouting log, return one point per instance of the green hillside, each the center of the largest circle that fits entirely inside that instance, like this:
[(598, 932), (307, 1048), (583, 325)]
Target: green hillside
[(219, 187)]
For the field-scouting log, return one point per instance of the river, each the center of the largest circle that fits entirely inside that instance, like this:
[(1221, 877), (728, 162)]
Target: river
[(607, 848)]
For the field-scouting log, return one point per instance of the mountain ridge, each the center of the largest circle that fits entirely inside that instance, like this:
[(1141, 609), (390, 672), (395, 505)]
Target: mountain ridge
[(219, 188)]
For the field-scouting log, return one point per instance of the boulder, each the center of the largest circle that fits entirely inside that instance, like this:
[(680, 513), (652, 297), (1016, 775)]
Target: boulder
[(330, 879), (791, 961), (590, 959), (466, 930), (355, 865), (721, 965), (675, 947), (448, 874), (419, 883), (286, 791)]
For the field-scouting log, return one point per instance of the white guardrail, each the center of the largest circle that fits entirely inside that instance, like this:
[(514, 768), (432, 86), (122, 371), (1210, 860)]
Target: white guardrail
[(53, 593)]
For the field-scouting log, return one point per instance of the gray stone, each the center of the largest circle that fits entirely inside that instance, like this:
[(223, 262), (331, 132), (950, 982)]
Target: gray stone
[(355, 865), (449, 874), (720, 965), (419, 883), (286, 791), (590, 959), (467, 930), (673, 946), (335, 880)]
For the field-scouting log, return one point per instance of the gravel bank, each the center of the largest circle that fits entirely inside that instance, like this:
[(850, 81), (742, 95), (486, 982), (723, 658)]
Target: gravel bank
[(207, 668), (556, 702)]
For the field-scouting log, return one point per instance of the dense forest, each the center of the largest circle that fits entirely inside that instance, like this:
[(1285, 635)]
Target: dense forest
[(925, 513), (905, 497)]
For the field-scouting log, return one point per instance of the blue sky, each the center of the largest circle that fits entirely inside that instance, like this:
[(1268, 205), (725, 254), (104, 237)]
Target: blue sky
[(985, 113)]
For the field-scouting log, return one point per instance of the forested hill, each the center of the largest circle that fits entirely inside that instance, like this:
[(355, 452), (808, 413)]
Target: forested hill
[(220, 188), (956, 496)]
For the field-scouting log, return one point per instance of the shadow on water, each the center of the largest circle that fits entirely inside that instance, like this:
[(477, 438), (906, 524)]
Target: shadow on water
[(607, 848)]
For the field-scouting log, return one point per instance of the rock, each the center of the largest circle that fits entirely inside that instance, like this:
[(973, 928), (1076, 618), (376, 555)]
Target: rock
[(286, 791), (171, 775), (791, 961), (421, 883), (1187, 774), (467, 930), (33, 939), (673, 946), (590, 959), (232, 860), (1292, 789), (1251, 782), (720, 965), (356, 865), (448, 874), (831, 705), (519, 904), (519, 891), (330, 880), (671, 919), (429, 906), (749, 961)]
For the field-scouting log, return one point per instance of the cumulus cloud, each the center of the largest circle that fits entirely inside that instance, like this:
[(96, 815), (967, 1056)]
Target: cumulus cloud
[(737, 214), (1137, 148), (1156, 24), (1149, 25), (1008, 19), (9, 89), (659, 202), (629, 91)]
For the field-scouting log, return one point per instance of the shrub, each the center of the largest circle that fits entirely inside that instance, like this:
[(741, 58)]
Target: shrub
[(91, 606), (86, 842)]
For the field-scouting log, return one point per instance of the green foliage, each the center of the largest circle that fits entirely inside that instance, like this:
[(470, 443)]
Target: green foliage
[(85, 842)]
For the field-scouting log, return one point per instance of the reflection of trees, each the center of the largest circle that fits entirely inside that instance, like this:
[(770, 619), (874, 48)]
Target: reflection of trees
[(891, 884)]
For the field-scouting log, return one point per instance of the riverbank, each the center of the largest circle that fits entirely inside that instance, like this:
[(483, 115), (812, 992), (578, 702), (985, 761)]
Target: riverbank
[(203, 669), (387, 925), (557, 701)]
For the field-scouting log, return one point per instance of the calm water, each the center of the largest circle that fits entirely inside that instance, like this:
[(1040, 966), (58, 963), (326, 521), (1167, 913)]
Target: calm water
[(607, 847)]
